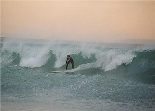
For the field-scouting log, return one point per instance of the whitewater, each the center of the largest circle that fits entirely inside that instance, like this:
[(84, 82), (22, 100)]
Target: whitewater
[(107, 77)]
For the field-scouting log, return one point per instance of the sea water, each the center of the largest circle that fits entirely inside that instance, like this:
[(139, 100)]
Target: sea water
[(107, 77)]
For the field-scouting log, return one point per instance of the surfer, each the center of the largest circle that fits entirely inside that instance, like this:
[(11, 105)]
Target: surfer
[(69, 59)]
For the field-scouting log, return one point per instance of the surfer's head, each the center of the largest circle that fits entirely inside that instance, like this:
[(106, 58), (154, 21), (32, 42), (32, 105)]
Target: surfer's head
[(68, 56)]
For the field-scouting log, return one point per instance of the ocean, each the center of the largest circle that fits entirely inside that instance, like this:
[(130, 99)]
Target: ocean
[(106, 77)]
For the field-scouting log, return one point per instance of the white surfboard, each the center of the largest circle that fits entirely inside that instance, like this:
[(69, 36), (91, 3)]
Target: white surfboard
[(62, 71)]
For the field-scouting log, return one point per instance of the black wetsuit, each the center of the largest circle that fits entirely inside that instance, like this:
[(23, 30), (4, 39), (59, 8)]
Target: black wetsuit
[(69, 59)]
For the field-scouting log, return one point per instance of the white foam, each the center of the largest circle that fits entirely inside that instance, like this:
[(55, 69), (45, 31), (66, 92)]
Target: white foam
[(118, 60), (109, 60), (35, 57)]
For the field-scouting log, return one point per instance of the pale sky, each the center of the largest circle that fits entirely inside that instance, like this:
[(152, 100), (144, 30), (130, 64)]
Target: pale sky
[(106, 21)]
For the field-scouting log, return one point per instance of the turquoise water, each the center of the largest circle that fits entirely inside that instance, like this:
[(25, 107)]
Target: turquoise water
[(104, 79)]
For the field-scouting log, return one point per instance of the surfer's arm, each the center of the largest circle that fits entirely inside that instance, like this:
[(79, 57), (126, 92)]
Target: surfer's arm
[(67, 62)]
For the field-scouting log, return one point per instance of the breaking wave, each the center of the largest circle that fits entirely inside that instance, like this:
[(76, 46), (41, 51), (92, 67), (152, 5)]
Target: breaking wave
[(97, 58)]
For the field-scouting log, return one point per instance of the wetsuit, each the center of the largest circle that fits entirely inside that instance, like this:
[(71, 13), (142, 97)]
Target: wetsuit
[(69, 59)]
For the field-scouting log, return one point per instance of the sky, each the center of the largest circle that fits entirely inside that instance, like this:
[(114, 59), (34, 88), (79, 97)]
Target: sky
[(103, 21)]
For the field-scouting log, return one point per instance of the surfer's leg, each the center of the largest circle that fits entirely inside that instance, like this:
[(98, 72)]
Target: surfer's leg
[(72, 64), (66, 65)]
